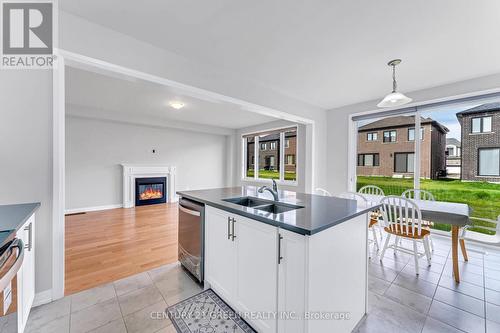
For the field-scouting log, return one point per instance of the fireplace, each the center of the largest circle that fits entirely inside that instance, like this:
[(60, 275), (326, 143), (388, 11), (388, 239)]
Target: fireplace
[(150, 191)]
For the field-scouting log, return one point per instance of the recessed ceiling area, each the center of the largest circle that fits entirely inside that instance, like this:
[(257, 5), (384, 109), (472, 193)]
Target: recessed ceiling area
[(121, 97), (325, 53)]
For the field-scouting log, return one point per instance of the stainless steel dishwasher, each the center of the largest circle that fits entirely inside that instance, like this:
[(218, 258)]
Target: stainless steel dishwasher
[(191, 236)]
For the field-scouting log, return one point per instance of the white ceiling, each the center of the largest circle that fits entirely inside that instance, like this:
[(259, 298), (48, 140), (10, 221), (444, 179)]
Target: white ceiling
[(139, 98), (326, 53)]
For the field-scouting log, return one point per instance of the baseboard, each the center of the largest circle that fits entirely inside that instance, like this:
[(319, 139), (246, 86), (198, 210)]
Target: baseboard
[(91, 209), (43, 297)]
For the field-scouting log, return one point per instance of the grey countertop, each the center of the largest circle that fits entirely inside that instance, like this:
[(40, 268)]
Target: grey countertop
[(12, 217), (319, 212)]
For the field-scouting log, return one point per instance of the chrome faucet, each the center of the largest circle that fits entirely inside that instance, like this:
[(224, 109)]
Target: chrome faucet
[(274, 190)]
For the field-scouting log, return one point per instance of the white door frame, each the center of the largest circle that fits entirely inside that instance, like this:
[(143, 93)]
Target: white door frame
[(65, 58)]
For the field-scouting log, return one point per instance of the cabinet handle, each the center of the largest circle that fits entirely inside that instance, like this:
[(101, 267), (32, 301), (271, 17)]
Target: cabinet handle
[(279, 249), (29, 228), (228, 227), (233, 236)]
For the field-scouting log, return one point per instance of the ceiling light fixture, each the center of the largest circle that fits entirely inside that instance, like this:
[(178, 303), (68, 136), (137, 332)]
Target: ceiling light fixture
[(394, 98), (176, 105)]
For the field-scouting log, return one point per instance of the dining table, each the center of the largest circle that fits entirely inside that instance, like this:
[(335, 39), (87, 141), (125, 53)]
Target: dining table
[(453, 213)]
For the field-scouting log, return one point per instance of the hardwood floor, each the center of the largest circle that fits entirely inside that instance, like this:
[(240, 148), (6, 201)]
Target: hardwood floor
[(108, 245)]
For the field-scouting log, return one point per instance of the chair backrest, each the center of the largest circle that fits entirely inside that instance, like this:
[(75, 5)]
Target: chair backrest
[(418, 195), (353, 196), (324, 192), (401, 215), (371, 189)]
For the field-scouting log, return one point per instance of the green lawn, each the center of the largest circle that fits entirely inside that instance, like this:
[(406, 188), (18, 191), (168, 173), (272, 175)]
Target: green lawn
[(268, 174), (482, 197)]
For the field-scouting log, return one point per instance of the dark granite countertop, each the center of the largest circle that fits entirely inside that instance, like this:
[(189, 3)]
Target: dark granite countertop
[(12, 217), (319, 212)]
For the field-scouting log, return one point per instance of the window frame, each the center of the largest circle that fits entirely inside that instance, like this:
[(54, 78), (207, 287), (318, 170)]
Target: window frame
[(422, 132), (375, 159), (373, 134), (481, 124), (406, 162), (479, 161), (390, 136), (282, 159)]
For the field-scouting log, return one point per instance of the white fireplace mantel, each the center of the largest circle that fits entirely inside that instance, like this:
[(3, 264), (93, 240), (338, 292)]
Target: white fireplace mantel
[(131, 172)]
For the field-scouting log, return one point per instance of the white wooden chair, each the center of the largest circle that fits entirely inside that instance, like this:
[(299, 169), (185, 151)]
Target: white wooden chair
[(421, 195), (323, 192), (373, 217), (372, 190), (402, 218)]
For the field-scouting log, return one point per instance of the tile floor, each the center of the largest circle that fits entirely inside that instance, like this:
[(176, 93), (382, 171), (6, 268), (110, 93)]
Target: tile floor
[(399, 301)]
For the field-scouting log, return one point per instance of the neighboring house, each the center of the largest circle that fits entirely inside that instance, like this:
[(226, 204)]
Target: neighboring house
[(270, 151), (386, 147), (453, 158), (481, 142)]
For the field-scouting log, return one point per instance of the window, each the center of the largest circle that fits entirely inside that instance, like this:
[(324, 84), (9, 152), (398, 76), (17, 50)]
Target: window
[(489, 162), (411, 134), (372, 136), (450, 151), (389, 136), (404, 162), (368, 160), (250, 158), (481, 125), (276, 157)]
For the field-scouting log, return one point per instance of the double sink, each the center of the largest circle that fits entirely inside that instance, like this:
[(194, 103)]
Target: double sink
[(268, 206)]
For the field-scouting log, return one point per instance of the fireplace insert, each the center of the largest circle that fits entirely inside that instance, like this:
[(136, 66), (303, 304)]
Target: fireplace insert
[(150, 191)]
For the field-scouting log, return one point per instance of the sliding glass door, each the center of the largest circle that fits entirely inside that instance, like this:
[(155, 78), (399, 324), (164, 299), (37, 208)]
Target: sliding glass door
[(451, 150)]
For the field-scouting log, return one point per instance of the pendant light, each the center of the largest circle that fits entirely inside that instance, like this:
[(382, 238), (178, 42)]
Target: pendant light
[(394, 98)]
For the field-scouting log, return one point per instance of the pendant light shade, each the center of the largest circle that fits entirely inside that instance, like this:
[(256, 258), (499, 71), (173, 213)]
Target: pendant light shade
[(394, 98)]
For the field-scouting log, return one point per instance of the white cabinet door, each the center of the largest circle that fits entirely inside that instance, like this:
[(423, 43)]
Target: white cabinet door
[(26, 275), (257, 272), (220, 254), (291, 282)]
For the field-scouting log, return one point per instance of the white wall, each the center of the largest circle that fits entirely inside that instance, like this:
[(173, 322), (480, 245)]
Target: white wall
[(338, 122), (26, 154), (301, 154), (96, 148)]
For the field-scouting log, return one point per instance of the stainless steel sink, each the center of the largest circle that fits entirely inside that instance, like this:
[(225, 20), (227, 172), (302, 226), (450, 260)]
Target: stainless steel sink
[(277, 208), (263, 205), (248, 201)]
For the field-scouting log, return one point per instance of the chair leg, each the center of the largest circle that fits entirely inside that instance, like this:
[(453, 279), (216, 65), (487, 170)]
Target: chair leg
[(385, 246), (375, 239), (427, 250), (432, 244), (397, 244), (415, 254), (464, 250)]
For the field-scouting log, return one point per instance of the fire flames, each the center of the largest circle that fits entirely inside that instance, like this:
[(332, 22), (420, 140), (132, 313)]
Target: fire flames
[(150, 193)]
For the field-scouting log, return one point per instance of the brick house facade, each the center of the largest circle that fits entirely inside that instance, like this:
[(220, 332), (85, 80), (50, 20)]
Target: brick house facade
[(481, 143), (386, 147)]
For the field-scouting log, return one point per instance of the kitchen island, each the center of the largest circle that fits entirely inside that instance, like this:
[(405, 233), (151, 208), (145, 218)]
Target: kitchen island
[(297, 265)]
